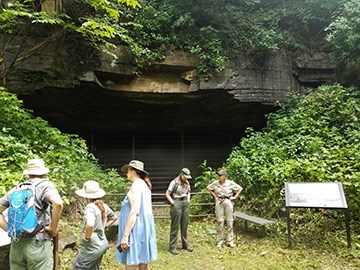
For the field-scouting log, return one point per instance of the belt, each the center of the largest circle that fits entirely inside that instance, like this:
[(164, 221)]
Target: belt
[(180, 198), (224, 197)]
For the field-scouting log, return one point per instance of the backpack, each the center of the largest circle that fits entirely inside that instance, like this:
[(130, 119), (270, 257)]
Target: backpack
[(174, 189), (22, 219)]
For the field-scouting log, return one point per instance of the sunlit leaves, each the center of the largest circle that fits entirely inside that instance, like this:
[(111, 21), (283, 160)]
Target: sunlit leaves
[(130, 3), (24, 136)]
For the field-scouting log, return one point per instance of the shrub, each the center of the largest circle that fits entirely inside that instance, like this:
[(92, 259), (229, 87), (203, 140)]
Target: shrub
[(24, 136), (313, 138)]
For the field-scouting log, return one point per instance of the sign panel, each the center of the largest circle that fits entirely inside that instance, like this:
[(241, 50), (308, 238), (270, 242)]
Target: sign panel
[(315, 195), (4, 238)]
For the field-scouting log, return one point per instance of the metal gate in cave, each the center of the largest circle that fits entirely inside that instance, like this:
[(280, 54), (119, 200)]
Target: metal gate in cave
[(164, 153)]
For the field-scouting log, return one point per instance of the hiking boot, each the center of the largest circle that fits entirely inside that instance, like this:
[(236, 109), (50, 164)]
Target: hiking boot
[(174, 252), (231, 245), (188, 249)]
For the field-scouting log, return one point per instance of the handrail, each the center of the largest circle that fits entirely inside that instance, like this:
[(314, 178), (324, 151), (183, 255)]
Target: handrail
[(166, 205), (158, 194)]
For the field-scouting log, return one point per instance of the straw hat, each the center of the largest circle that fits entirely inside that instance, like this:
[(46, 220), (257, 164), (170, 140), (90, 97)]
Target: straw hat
[(36, 167), (136, 164), (91, 190)]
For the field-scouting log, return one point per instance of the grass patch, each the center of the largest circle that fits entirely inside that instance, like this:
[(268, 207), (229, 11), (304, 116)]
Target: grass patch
[(322, 251)]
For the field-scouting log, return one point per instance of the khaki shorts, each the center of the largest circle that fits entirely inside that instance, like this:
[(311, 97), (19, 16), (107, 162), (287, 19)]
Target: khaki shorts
[(31, 254)]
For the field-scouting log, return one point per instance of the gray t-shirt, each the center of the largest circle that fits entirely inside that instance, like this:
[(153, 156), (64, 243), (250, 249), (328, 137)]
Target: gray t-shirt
[(44, 190), (98, 244), (181, 191)]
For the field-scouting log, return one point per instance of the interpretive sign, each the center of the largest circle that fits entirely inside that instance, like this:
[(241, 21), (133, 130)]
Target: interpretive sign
[(5, 240), (316, 195)]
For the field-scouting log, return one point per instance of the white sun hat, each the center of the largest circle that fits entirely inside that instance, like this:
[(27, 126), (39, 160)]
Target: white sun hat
[(91, 189), (36, 167)]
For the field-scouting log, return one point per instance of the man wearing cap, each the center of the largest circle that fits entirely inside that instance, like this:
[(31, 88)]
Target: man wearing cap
[(36, 252), (178, 195), (223, 191)]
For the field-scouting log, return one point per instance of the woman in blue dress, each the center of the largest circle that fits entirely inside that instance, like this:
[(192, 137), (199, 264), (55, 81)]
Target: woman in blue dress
[(136, 237)]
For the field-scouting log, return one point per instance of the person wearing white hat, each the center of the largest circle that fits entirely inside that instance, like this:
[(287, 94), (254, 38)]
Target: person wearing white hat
[(97, 216), (136, 236), (224, 191), (23, 254), (178, 195)]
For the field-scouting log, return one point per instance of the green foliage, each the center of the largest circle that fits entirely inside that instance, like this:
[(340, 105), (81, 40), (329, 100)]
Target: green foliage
[(201, 29), (343, 33), (207, 177), (96, 22), (306, 21), (314, 138), (219, 30), (215, 30), (66, 155)]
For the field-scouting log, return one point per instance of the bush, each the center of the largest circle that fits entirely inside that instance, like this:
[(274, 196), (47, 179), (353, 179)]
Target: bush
[(24, 136), (313, 138)]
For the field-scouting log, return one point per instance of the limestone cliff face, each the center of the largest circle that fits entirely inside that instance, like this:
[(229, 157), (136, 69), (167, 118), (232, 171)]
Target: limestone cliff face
[(177, 74), (64, 67), (72, 86)]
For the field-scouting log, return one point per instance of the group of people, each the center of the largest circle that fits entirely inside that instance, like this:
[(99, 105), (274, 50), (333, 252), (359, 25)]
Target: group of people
[(223, 190), (136, 245)]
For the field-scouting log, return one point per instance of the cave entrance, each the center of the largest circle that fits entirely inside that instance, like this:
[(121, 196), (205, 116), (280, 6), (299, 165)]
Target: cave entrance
[(165, 131)]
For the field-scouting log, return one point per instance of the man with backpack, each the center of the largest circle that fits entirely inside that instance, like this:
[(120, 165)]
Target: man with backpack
[(34, 208)]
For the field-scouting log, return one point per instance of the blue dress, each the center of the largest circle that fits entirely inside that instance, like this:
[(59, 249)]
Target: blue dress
[(142, 239)]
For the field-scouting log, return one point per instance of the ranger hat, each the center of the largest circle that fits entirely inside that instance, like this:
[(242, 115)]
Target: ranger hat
[(186, 172), (222, 172)]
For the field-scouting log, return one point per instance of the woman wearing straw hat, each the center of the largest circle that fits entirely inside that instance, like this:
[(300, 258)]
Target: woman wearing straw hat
[(137, 239), (97, 216)]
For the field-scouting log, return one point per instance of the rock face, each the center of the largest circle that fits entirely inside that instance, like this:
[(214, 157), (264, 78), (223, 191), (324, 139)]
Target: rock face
[(70, 89), (77, 89)]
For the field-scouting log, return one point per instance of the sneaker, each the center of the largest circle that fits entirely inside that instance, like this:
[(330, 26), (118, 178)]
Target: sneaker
[(231, 245), (188, 249), (174, 252), (219, 245)]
